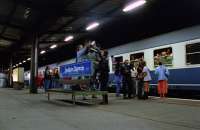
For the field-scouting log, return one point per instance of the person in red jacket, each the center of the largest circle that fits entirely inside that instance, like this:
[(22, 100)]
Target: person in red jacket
[(39, 80)]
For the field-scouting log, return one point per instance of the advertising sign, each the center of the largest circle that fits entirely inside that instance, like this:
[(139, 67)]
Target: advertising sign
[(76, 69)]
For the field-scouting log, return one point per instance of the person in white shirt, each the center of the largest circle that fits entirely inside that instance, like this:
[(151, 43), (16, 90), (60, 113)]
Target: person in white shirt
[(147, 79), (134, 79)]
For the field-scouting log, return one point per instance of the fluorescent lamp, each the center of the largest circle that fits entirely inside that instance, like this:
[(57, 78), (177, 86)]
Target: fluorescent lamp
[(24, 61), (69, 38), (134, 5), (42, 52), (92, 26), (53, 46), (20, 63), (29, 59)]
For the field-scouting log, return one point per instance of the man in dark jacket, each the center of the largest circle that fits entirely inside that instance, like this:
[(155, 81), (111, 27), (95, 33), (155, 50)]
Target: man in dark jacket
[(140, 78), (127, 81), (104, 73), (47, 78)]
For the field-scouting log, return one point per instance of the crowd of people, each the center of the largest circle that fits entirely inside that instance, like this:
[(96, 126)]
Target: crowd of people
[(48, 79), (129, 79), (134, 80), (99, 58)]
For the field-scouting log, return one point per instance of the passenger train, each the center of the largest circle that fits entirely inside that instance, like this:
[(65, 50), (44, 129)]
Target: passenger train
[(180, 52)]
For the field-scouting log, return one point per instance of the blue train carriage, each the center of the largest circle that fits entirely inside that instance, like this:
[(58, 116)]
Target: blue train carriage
[(184, 68), (182, 60)]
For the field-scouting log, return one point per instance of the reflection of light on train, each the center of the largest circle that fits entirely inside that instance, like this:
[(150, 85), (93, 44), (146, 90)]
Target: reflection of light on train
[(179, 50)]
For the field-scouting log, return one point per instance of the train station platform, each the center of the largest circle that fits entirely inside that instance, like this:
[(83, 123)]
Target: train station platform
[(20, 110)]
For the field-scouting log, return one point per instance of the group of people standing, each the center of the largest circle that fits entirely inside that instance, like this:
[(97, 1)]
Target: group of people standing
[(134, 81), (99, 57), (50, 78)]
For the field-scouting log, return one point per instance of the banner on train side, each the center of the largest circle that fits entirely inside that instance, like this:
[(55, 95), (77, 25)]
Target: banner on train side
[(76, 69)]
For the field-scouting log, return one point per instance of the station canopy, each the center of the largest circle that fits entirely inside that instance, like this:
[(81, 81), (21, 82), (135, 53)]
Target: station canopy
[(52, 21)]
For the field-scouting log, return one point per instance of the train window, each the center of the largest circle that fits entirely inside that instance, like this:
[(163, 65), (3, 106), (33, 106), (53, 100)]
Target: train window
[(193, 53), (164, 55), (135, 58), (115, 60), (118, 59)]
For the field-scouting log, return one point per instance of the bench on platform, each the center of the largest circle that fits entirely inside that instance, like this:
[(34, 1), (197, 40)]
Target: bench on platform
[(76, 70), (76, 93)]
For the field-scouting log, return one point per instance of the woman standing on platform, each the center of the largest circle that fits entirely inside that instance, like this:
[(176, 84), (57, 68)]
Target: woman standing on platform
[(163, 74), (147, 79), (140, 79), (55, 78), (118, 78), (47, 78)]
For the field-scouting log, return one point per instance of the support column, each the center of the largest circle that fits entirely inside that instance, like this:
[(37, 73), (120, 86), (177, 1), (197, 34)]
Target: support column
[(10, 73), (34, 64)]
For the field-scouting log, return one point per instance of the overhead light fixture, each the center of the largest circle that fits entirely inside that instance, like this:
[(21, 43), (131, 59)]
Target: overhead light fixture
[(134, 5), (27, 13), (24, 61), (92, 26), (53, 46), (14, 66), (29, 59), (69, 38), (20, 63), (42, 52)]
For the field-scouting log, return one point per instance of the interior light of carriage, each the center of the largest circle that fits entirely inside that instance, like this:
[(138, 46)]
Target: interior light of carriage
[(69, 38), (134, 5), (92, 26), (42, 52), (20, 63), (24, 61), (29, 59), (53, 46)]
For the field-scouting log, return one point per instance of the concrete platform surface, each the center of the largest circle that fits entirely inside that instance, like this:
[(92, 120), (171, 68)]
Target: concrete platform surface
[(20, 110)]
